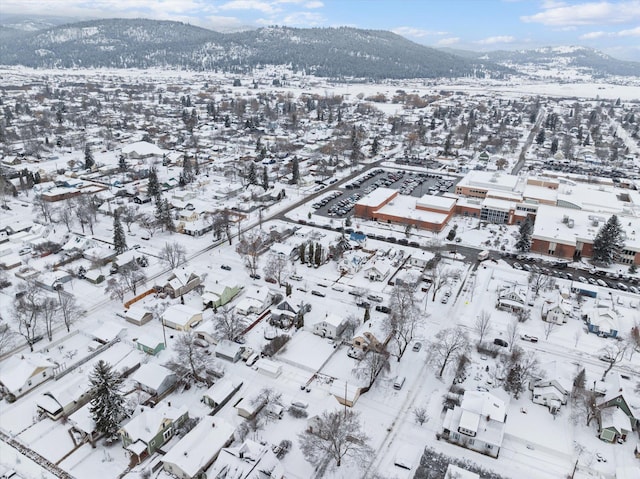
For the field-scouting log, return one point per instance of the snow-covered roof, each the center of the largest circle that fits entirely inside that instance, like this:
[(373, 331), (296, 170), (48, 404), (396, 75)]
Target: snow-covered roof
[(250, 460), (196, 449), (377, 196), (151, 375), (146, 425), (180, 314), (16, 370), (332, 320), (222, 389), (142, 148), (437, 202)]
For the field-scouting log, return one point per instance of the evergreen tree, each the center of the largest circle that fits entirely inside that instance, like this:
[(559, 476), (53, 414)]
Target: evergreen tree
[(554, 146), (107, 402), (524, 239), (447, 145), (119, 238), (375, 146), (295, 170), (252, 176), (122, 164), (187, 170), (540, 137), (265, 178), (608, 242), (259, 144), (317, 255), (167, 220), (302, 253), (311, 255), (515, 381), (88, 158)]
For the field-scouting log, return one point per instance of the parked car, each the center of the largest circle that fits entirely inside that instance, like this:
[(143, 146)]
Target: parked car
[(622, 287), (226, 267), (295, 277), (606, 358), (531, 339), (363, 304), (500, 342), (373, 297), (315, 292), (602, 283), (417, 346), (383, 309)]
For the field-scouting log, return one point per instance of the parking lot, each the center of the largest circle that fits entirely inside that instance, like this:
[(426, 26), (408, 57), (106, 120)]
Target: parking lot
[(340, 203)]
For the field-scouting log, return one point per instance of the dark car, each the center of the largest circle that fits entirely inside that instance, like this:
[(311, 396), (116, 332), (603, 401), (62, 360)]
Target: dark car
[(500, 342), (255, 276), (226, 267), (363, 304), (383, 309)]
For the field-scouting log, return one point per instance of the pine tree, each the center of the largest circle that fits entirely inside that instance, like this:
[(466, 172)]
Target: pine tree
[(88, 158), (265, 178), (122, 164), (119, 238), (107, 403), (302, 253), (375, 146), (187, 170), (167, 220), (317, 255), (252, 176), (514, 383), (524, 240), (554, 146), (608, 242), (540, 137), (295, 170), (153, 187)]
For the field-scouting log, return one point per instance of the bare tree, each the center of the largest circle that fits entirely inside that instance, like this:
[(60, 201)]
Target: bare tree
[(190, 361), (50, 315), (277, 267), (228, 324), (150, 224), (538, 281), (483, 324), (633, 341), (173, 254), (337, 435), (70, 310), (548, 328), (513, 329), (129, 215), (6, 337), (250, 248), (584, 405), (371, 365), (441, 276), (27, 310), (66, 215), (404, 318), (614, 352), (116, 288), (132, 275), (40, 205), (448, 344), (420, 415)]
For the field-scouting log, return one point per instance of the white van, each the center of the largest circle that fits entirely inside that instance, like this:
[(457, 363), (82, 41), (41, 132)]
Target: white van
[(398, 382)]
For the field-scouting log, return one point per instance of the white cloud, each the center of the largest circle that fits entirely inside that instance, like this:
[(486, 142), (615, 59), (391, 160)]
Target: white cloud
[(496, 39), (593, 35), (415, 32), (634, 32), (314, 4), (303, 19), (448, 41), (264, 7), (590, 13)]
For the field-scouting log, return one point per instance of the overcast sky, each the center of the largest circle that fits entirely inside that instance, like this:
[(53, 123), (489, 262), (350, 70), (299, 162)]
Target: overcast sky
[(612, 26)]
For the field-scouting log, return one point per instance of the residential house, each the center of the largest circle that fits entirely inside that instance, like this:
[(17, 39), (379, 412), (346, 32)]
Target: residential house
[(284, 315), (181, 317), (180, 282), (255, 300), (612, 425), (218, 294), (146, 432), (479, 422), (511, 299), (141, 150), (584, 289), (377, 273), (249, 407), (602, 321), (345, 393), (370, 337), (149, 343), (552, 390), (64, 397), (269, 367), (138, 315), (331, 326), (21, 373), (220, 393), (250, 460), (228, 350), (199, 448), (154, 379), (556, 311)]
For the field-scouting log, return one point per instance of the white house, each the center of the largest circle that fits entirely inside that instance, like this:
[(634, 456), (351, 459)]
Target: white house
[(552, 390), (138, 315), (479, 422), (220, 393), (228, 350), (556, 311), (250, 460), (64, 397), (331, 326), (377, 273), (21, 373), (154, 378), (512, 299), (255, 300), (181, 317), (197, 450)]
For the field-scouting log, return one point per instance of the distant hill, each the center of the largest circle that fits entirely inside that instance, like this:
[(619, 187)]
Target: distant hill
[(330, 52), (585, 59)]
